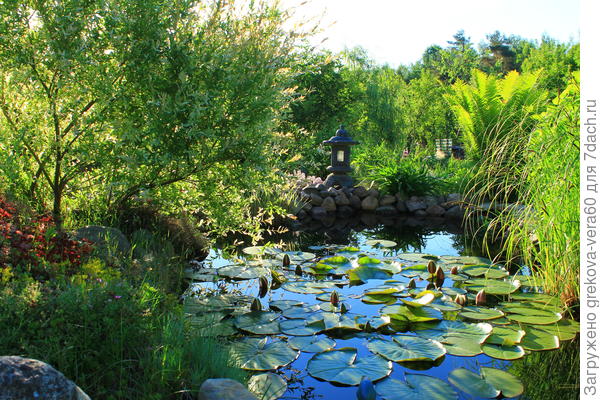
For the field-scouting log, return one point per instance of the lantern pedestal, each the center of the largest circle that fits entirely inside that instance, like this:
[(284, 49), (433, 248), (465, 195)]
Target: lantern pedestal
[(340, 159)]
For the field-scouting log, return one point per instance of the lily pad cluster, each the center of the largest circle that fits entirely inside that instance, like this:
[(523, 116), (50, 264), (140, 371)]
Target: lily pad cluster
[(421, 308)]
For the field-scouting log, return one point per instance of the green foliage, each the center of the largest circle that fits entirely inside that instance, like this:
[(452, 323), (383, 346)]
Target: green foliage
[(490, 108), (544, 233)]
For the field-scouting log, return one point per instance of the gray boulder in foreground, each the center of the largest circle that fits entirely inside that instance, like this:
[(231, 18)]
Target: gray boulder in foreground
[(26, 378), (224, 389)]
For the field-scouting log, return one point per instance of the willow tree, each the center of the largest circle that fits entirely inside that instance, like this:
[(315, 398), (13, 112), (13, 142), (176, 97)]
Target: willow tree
[(112, 97)]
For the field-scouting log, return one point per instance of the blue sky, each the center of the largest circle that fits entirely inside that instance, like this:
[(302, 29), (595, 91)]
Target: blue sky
[(398, 31)]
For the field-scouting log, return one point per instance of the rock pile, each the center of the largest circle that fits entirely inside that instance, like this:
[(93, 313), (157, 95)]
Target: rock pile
[(320, 202)]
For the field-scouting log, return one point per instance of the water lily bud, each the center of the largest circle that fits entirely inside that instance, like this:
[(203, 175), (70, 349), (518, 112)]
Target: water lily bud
[(430, 286), (454, 270), (286, 260), (368, 327), (439, 274), (460, 299), (480, 298), (256, 305), (335, 298), (412, 284), (298, 270), (344, 308), (366, 390), (431, 268), (263, 286)]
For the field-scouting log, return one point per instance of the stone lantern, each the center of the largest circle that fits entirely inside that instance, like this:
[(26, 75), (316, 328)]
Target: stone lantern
[(340, 159)]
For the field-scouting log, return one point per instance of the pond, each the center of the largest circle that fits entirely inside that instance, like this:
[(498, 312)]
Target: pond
[(369, 304)]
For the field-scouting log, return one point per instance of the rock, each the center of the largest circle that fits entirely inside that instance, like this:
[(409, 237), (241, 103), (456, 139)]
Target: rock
[(321, 187), (430, 200), (318, 212), (310, 189), (373, 192), (302, 214), (25, 378), (315, 199), (329, 204), (341, 199), (401, 207), (455, 212), (420, 213), (354, 201), (387, 200), (108, 240), (307, 207), (386, 211), (413, 205), (435, 210), (453, 197), (345, 211), (401, 197), (361, 192), (334, 192), (224, 389), (369, 203), (348, 191), (324, 193)]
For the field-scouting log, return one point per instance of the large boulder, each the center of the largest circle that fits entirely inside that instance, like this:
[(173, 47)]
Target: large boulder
[(361, 192), (370, 203), (224, 389), (355, 201), (107, 240), (329, 204), (415, 204), (318, 212), (315, 199), (387, 200), (26, 378), (435, 210), (341, 199), (455, 212)]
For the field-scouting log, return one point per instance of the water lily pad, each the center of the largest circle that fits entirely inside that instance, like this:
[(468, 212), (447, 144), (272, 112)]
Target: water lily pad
[(407, 348), (489, 384), (533, 316), (411, 314), (307, 287), (280, 305), (300, 311), (311, 344), (267, 386), (462, 346), (445, 304), (537, 339), (385, 289), (477, 333), (226, 303), (378, 299), (492, 286), (565, 329), (366, 272), (339, 263), (348, 251), (480, 313), (258, 322), (417, 257), (466, 260), (243, 272), (342, 366), (414, 270), (505, 335), (254, 250), (453, 291), (489, 271), (320, 268), (328, 307), (416, 387), (374, 323), (258, 355), (339, 321), (380, 243), (302, 327), (297, 256), (509, 305), (503, 352), (537, 298), (422, 299)]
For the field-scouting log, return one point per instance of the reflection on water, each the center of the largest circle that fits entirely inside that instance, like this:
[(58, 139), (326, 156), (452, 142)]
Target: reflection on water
[(546, 375)]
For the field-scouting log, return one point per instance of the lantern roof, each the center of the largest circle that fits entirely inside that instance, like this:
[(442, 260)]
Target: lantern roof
[(341, 137)]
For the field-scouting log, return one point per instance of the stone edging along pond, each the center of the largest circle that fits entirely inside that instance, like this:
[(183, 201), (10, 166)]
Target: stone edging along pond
[(321, 201)]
